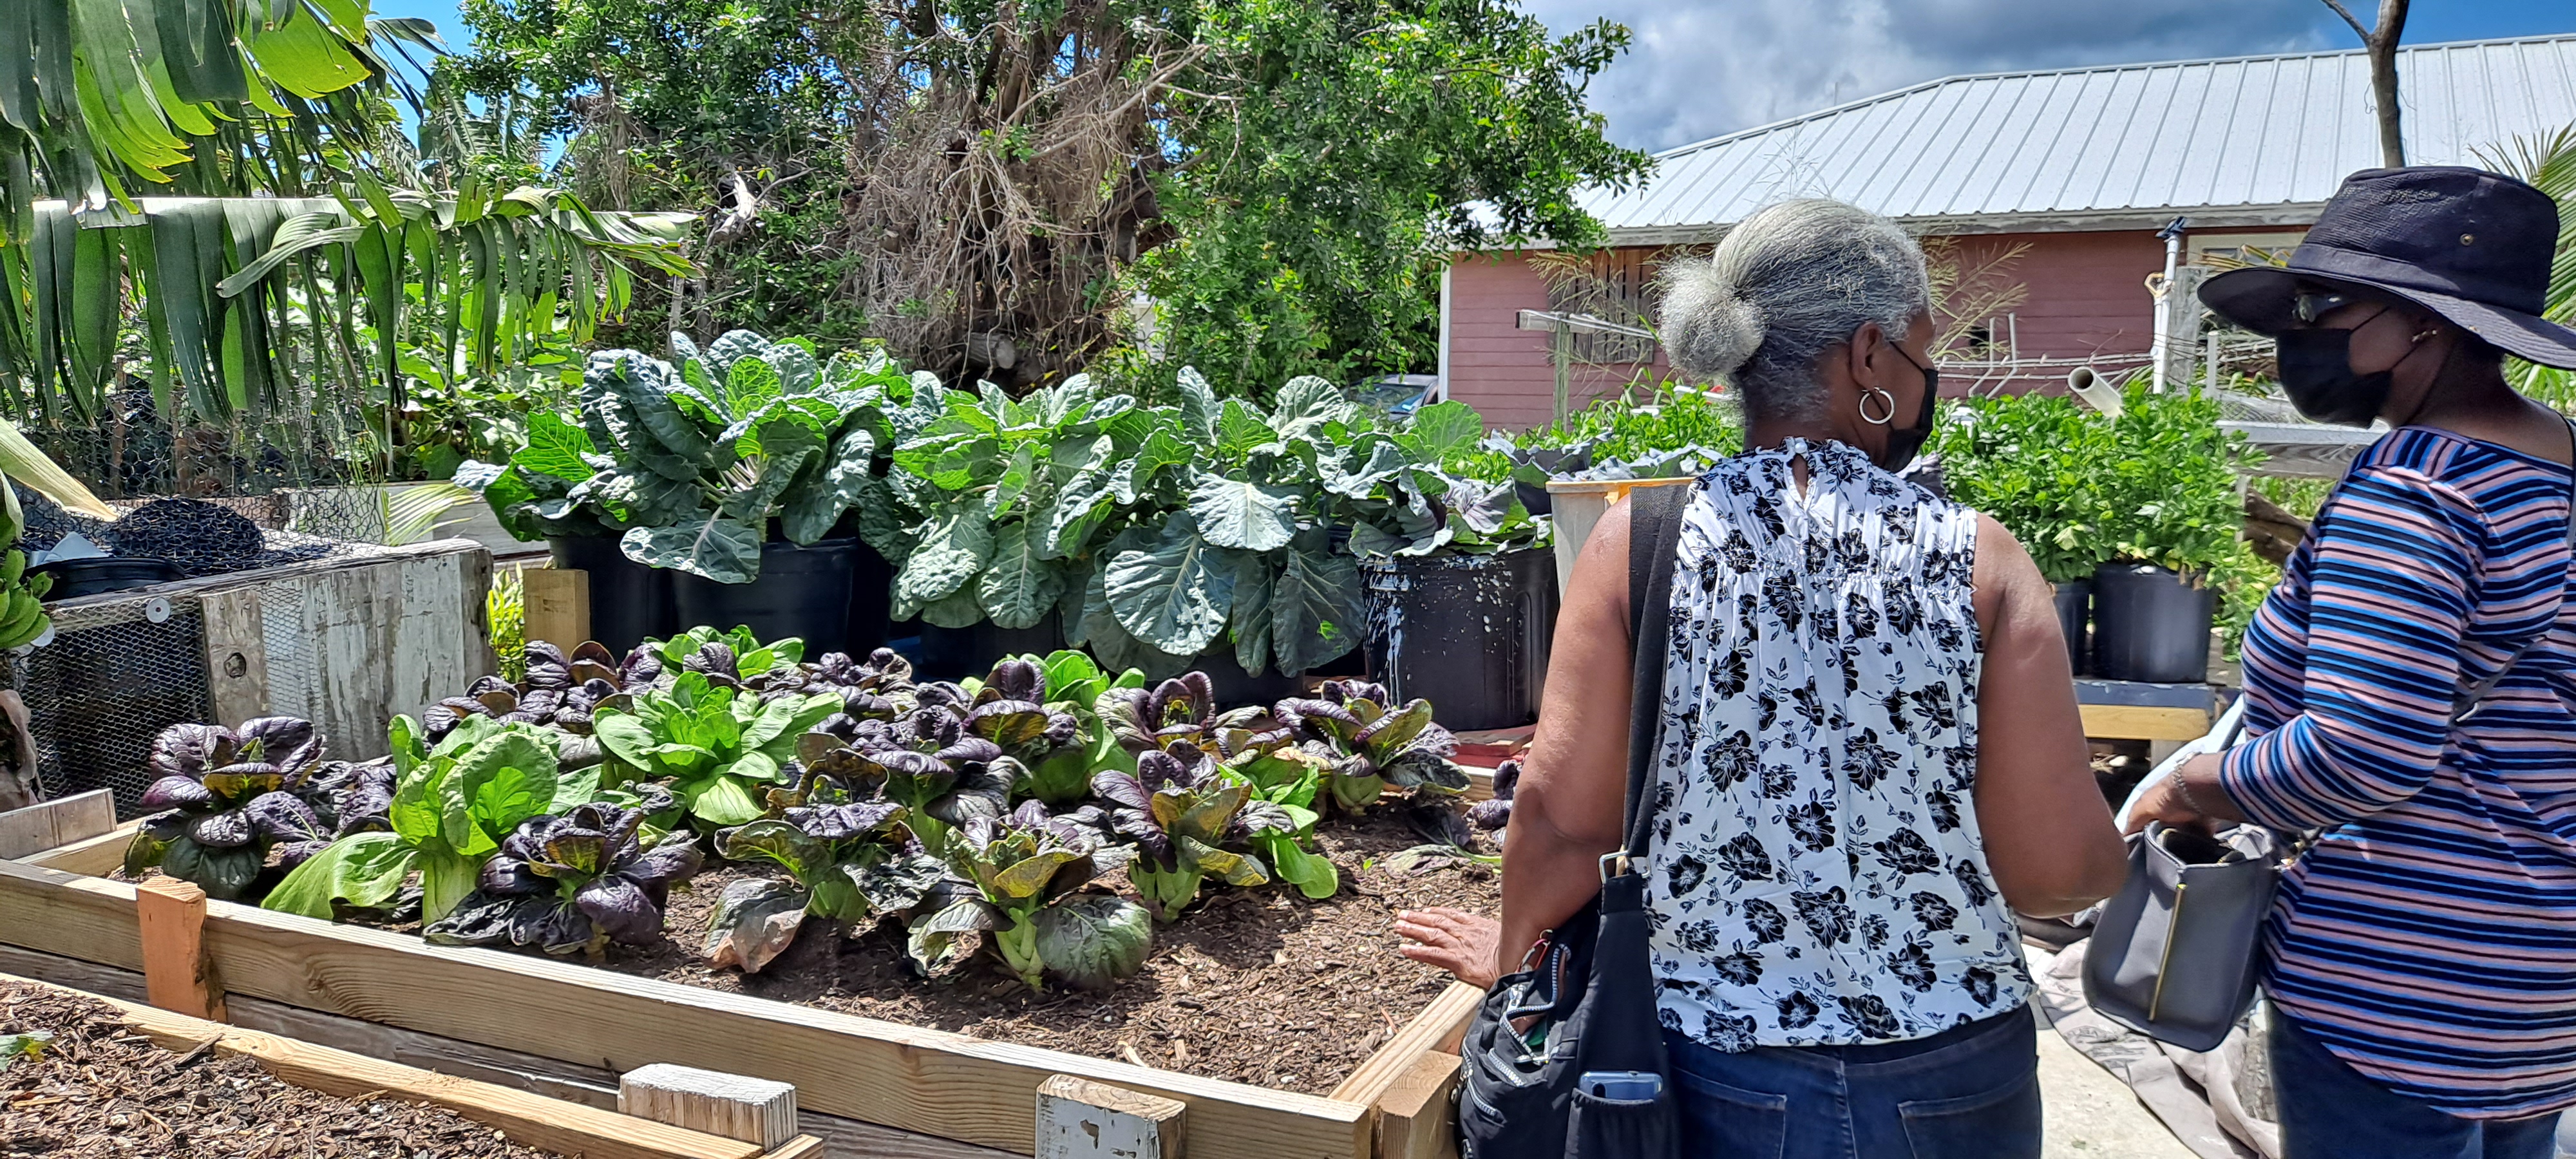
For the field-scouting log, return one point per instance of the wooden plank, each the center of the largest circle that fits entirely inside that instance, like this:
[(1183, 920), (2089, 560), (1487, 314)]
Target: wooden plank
[(1418, 1118), (236, 633), (99, 856), (171, 915), (558, 605), (547, 1124), (588, 1085), (1081, 1119), (1439, 1026), (801, 1147), (2140, 694), (51, 824), (2302, 450), (2131, 722), (734, 1106), (912, 1079), (389, 640)]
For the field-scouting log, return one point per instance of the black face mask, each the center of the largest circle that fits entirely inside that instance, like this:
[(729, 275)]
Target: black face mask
[(2316, 372), (1903, 443)]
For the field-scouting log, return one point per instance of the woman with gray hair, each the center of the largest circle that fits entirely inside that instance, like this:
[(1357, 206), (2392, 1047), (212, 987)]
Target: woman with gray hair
[(1836, 838)]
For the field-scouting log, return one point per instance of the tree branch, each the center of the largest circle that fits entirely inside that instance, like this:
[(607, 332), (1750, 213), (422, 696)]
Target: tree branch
[(2346, 13)]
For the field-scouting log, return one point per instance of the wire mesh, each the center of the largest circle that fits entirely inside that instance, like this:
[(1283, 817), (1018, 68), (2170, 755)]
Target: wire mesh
[(110, 681)]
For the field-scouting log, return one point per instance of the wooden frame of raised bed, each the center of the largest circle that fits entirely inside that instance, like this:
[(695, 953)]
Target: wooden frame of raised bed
[(547, 1124), (922, 1082)]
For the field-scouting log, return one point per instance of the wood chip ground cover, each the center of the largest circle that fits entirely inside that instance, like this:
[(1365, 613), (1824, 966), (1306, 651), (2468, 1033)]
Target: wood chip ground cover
[(1256, 985), (98, 1090)]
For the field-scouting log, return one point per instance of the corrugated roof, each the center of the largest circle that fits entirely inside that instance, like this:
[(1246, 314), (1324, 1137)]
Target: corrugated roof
[(2248, 140)]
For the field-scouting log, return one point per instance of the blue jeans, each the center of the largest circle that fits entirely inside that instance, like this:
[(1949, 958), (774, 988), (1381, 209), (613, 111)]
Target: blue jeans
[(1971, 1092), (2331, 1111)]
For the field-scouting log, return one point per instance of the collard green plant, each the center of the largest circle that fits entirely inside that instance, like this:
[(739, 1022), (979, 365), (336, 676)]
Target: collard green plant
[(1018, 876), (1181, 811), (1370, 744), (228, 797), (1013, 496), (718, 747), (574, 881), (451, 805)]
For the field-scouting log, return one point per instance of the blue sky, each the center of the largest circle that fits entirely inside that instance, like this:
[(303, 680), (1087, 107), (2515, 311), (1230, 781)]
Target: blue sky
[(1700, 68)]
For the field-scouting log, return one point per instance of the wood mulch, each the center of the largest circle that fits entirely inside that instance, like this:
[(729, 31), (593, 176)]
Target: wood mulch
[(101, 1091), (1257, 985)]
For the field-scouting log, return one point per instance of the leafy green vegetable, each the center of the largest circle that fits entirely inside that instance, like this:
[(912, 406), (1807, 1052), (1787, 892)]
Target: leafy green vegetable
[(228, 797), (1368, 744), (30, 1045), (1181, 812), (718, 746), (845, 863), (1019, 875), (572, 882), (451, 808)]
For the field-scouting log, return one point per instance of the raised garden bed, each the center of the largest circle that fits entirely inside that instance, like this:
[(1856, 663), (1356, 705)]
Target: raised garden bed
[(119, 1078), (925, 1081)]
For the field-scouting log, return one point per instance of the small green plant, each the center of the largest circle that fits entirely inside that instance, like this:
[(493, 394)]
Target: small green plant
[(2033, 462), (505, 622), (2168, 492)]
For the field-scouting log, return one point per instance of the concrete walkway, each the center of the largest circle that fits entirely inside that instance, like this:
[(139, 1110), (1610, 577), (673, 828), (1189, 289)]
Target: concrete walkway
[(2092, 1115)]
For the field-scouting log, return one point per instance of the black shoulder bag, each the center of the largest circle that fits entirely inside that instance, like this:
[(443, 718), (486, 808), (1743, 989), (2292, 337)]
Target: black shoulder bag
[(1586, 1003)]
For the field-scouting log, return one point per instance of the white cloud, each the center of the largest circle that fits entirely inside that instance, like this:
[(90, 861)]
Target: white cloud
[(1699, 68)]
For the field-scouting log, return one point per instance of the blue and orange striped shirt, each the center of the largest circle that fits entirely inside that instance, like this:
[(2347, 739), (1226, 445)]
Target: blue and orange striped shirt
[(2429, 938)]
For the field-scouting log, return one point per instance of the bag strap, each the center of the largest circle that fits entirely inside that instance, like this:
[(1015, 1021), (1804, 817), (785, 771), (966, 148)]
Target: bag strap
[(2468, 701), (1654, 535)]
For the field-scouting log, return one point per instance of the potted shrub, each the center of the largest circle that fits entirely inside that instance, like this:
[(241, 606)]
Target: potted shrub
[(2031, 462), (2170, 510), (538, 494)]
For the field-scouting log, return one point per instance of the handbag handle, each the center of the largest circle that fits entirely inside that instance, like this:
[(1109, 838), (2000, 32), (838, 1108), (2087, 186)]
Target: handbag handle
[(1654, 537)]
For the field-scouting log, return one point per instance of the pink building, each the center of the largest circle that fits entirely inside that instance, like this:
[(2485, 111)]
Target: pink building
[(2078, 169)]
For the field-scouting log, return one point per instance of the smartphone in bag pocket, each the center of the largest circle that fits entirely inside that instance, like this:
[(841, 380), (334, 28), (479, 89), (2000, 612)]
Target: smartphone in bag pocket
[(1622, 1085)]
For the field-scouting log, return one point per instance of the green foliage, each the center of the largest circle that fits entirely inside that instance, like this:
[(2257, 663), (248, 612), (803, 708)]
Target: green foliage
[(1021, 872), (2033, 462), (719, 746), (572, 882), (1285, 177), (505, 622), (2167, 494), (1182, 811)]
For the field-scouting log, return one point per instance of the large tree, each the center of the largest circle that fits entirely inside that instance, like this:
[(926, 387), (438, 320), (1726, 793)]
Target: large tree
[(980, 184)]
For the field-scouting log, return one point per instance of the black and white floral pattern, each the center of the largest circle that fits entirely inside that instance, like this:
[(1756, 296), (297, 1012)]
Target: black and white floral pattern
[(1818, 876)]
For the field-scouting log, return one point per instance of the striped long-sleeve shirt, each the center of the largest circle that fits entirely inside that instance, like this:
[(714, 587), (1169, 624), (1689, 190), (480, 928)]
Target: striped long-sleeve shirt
[(2429, 938)]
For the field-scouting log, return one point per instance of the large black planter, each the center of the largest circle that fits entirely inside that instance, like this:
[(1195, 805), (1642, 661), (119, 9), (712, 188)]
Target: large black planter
[(957, 653), (1469, 633), (1236, 688), (629, 602), (825, 593), (2150, 624), (2074, 611), (100, 574)]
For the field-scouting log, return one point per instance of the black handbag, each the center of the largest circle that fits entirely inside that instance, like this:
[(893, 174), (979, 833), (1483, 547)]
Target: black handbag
[(1585, 999)]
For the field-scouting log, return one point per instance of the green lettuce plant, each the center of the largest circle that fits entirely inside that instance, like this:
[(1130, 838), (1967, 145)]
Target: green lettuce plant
[(717, 746), (451, 807)]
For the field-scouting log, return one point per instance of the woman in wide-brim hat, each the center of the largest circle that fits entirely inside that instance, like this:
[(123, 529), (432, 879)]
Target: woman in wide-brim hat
[(2421, 960)]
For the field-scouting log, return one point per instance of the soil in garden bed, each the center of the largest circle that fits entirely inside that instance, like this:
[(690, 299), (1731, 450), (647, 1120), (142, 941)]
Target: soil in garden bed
[(98, 1090), (1259, 986)]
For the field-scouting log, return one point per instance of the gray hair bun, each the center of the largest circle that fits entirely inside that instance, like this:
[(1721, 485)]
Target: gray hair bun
[(1709, 330)]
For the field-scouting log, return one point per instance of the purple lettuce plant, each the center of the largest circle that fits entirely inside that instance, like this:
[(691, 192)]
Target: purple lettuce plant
[(574, 881), (228, 799)]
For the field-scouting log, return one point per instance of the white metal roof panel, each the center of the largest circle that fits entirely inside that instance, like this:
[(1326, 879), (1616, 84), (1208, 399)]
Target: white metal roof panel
[(2253, 133)]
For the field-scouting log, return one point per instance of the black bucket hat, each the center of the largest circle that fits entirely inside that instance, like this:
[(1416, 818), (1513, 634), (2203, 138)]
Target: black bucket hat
[(2469, 245)]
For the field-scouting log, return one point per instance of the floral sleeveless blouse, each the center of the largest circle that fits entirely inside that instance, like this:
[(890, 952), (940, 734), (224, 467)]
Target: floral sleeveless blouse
[(1817, 875)]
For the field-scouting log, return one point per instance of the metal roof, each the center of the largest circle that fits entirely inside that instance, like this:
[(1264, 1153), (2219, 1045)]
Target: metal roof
[(2243, 141)]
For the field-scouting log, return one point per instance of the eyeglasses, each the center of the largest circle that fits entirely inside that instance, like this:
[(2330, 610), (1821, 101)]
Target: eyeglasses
[(2311, 305)]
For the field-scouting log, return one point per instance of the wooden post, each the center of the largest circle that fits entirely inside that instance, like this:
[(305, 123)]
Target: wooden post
[(1417, 1118), (1079, 1119), (558, 606), (176, 974), (56, 823), (236, 634), (734, 1106)]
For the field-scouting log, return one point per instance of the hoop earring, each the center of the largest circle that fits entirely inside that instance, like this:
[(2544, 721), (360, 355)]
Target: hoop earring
[(1885, 400)]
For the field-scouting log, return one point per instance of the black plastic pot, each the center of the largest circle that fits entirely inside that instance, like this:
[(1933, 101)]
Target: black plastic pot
[(629, 602), (1469, 633), (2074, 610), (957, 653), (2150, 624), (823, 593), (93, 575), (1236, 688)]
